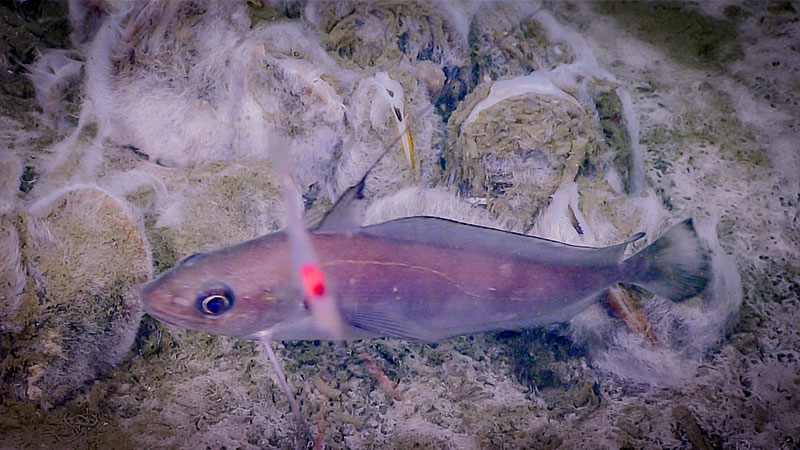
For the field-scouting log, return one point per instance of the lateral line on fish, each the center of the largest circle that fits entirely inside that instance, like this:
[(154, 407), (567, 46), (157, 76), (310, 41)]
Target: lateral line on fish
[(410, 266)]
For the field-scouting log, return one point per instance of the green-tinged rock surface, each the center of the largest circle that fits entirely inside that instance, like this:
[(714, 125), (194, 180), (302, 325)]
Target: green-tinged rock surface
[(78, 313)]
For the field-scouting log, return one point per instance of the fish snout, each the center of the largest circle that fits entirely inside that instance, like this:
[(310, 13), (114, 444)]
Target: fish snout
[(163, 304)]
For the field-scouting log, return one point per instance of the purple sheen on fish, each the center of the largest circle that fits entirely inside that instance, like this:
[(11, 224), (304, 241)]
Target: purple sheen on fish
[(417, 278)]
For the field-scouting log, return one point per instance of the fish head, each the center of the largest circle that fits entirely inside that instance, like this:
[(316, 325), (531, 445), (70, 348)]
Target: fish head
[(237, 291)]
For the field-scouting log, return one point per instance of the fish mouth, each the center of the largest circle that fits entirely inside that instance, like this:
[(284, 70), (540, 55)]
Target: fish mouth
[(150, 306), (163, 318)]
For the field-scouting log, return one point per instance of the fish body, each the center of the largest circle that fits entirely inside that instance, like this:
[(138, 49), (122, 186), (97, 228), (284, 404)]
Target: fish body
[(417, 278)]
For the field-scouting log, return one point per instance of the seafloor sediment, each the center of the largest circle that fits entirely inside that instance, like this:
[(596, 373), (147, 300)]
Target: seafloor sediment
[(132, 136)]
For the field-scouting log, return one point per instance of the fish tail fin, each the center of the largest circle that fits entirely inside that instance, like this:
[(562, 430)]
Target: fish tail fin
[(675, 266)]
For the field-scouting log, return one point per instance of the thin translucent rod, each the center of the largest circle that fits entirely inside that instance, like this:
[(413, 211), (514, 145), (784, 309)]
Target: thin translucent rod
[(273, 358), (305, 262)]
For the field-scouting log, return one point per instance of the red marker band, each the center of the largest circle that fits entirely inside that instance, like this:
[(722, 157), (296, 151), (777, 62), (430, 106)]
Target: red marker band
[(313, 281)]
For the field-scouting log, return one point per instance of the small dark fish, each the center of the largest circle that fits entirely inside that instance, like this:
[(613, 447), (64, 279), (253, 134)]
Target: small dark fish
[(417, 278)]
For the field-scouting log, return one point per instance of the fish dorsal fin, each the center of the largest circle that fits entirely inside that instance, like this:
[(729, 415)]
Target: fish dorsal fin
[(347, 213), (445, 233)]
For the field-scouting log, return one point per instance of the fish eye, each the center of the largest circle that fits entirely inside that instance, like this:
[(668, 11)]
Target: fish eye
[(216, 299)]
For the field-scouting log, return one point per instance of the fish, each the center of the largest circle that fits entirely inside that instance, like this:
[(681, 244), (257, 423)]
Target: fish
[(392, 93), (626, 305), (418, 278)]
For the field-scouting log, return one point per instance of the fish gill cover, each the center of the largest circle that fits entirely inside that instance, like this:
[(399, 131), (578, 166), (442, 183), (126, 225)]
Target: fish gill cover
[(140, 138)]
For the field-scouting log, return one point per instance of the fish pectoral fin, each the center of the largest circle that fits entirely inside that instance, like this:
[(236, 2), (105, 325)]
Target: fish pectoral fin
[(384, 323)]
